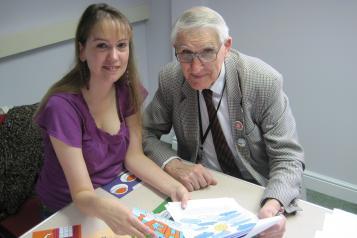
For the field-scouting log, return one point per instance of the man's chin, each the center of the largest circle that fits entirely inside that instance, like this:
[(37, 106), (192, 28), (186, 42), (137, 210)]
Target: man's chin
[(197, 85)]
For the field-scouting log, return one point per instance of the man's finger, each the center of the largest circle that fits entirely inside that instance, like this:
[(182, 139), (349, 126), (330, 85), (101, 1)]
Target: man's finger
[(188, 186), (195, 184), (202, 181), (209, 178)]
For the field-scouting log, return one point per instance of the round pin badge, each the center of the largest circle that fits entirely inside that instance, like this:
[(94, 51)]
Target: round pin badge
[(241, 142), (239, 125)]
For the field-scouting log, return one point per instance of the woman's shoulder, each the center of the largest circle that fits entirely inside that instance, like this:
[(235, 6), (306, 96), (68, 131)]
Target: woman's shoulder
[(67, 102), (64, 98)]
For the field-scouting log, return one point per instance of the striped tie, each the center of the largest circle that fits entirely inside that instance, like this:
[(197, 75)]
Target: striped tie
[(224, 154)]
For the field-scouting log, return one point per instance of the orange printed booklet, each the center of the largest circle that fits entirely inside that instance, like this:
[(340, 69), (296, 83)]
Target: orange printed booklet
[(163, 227), (59, 232)]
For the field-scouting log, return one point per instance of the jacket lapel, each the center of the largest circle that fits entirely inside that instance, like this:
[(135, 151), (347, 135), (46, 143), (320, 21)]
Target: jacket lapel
[(188, 109), (234, 98), (236, 115)]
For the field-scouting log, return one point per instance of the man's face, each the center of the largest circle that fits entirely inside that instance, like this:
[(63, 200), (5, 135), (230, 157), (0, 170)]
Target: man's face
[(199, 73)]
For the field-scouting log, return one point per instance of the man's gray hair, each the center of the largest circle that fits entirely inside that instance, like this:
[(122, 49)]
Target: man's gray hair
[(198, 17)]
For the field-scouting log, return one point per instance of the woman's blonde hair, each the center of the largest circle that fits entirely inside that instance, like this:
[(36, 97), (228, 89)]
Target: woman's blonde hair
[(79, 76)]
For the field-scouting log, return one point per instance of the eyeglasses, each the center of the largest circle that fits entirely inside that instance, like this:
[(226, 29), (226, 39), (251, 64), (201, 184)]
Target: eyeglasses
[(205, 56)]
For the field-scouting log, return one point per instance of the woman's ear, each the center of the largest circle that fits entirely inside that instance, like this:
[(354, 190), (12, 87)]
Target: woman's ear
[(81, 52)]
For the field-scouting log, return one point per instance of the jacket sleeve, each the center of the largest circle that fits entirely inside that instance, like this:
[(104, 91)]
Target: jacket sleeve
[(157, 122), (286, 157)]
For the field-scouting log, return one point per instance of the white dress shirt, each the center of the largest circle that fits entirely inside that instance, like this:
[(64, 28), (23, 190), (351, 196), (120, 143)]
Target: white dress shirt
[(209, 158)]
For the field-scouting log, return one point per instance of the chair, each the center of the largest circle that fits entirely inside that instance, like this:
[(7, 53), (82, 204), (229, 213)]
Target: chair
[(28, 216), (20, 162)]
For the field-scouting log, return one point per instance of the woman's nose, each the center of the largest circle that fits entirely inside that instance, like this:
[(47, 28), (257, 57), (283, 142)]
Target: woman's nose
[(113, 54)]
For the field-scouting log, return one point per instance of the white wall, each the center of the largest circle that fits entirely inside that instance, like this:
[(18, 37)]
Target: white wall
[(158, 40), (25, 77)]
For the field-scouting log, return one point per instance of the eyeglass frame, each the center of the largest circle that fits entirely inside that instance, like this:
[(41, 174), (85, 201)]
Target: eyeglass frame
[(197, 54)]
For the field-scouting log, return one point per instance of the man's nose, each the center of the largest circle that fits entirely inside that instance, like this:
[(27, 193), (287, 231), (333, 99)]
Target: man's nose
[(196, 64)]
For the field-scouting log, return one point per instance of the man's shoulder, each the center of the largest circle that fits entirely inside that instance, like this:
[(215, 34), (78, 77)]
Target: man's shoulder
[(249, 65), (171, 75), (172, 68)]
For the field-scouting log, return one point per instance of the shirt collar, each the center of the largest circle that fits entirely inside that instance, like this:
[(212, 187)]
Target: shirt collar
[(217, 86)]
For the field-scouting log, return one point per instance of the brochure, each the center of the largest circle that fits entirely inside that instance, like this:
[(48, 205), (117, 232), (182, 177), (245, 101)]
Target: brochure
[(219, 218)]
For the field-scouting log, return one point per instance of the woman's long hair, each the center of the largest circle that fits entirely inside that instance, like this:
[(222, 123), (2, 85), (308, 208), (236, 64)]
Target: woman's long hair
[(79, 76)]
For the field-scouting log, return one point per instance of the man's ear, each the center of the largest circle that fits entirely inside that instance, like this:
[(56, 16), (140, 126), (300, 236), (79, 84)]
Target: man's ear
[(228, 44)]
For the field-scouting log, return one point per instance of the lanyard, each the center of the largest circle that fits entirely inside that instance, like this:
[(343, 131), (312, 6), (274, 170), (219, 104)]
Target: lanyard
[(204, 136)]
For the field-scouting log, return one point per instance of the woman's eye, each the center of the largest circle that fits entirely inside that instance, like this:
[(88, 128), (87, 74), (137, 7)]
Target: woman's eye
[(102, 46), (122, 45)]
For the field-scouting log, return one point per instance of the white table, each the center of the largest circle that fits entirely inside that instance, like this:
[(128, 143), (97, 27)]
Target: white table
[(303, 224)]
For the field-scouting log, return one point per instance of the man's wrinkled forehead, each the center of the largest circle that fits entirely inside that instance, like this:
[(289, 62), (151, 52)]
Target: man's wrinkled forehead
[(197, 38)]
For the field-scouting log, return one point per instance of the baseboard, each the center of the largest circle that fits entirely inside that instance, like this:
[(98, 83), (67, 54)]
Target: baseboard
[(330, 186)]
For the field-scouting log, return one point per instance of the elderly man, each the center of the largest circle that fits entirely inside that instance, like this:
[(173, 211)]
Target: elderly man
[(229, 113)]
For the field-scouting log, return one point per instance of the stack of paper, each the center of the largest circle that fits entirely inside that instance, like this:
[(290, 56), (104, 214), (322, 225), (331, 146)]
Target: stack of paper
[(338, 224), (219, 218)]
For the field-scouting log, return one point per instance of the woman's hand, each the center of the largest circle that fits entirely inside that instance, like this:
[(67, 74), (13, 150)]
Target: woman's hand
[(121, 220), (180, 193)]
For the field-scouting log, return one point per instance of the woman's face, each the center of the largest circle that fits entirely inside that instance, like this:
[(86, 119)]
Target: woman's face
[(106, 51)]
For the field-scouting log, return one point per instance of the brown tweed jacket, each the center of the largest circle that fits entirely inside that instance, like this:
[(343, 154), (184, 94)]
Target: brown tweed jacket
[(271, 152)]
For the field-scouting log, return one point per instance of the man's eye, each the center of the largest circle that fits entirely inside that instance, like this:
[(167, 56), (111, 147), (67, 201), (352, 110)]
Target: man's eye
[(186, 52), (208, 51)]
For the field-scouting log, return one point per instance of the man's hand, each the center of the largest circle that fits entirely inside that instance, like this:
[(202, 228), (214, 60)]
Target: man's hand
[(192, 176), (271, 208)]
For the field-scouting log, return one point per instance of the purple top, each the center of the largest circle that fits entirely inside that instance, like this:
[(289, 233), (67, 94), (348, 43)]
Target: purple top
[(67, 118)]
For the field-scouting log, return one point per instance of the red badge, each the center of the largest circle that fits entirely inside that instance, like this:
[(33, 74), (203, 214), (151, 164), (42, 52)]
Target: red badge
[(238, 125)]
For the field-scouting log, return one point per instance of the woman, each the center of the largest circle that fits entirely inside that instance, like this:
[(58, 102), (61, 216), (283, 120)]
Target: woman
[(91, 124)]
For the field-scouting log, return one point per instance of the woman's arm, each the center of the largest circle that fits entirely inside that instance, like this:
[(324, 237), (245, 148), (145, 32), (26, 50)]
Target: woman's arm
[(140, 165), (110, 210)]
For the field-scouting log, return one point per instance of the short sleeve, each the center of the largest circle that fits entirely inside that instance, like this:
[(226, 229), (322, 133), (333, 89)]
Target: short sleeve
[(124, 99), (60, 119)]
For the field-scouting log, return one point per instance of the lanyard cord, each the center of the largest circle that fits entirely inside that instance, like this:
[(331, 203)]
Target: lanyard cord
[(204, 136)]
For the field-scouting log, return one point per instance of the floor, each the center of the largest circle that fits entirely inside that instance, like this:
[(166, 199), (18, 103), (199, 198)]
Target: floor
[(330, 202)]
